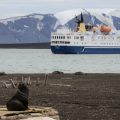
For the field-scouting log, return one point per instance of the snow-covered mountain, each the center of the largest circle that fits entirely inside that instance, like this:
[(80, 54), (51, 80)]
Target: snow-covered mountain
[(33, 28), (36, 28)]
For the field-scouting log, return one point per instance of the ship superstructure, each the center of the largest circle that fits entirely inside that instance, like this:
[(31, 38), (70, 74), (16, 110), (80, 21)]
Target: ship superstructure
[(86, 39)]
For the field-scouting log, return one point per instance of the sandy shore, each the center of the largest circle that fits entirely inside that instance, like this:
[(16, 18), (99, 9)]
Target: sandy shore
[(75, 97)]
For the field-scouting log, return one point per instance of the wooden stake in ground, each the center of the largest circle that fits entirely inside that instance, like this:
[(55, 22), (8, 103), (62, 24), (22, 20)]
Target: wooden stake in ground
[(46, 78)]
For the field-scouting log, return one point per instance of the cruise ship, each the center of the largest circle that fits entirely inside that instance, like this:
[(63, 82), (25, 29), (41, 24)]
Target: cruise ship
[(86, 39)]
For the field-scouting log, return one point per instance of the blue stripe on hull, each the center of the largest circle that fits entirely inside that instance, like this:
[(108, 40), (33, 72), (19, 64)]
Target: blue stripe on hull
[(83, 50)]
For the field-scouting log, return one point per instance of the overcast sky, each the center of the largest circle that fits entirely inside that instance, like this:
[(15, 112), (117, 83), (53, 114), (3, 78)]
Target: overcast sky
[(11, 8)]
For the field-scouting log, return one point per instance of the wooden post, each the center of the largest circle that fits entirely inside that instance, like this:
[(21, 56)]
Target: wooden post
[(25, 81), (29, 81), (22, 79), (46, 78)]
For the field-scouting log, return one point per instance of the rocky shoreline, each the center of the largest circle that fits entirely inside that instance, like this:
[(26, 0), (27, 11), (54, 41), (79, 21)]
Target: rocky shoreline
[(75, 96)]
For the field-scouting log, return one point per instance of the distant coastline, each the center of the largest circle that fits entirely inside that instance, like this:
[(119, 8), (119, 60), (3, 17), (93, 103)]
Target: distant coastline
[(26, 46)]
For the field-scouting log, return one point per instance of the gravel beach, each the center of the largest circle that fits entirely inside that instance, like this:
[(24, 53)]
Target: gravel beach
[(74, 96)]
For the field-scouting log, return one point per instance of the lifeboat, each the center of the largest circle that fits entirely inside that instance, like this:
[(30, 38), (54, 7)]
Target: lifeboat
[(105, 29)]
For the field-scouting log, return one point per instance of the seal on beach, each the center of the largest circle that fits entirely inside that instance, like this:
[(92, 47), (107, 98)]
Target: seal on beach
[(57, 72), (19, 102)]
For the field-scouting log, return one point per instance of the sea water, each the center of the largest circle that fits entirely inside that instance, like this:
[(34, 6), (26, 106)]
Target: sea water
[(43, 61)]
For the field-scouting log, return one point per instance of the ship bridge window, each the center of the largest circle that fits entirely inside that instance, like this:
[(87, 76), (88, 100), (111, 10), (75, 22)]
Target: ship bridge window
[(68, 37), (54, 42), (67, 42), (63, 37), (61, 42), (76, 37), (64, 42), (82, 38)]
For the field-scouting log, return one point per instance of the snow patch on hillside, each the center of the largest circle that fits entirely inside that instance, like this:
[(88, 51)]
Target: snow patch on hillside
[(65, 16), (115, 13), (39, 17), (39, 26), (57, 24), (5, 21), (100, 11)]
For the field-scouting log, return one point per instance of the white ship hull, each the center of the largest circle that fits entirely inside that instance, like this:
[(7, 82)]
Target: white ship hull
[(76, 43)]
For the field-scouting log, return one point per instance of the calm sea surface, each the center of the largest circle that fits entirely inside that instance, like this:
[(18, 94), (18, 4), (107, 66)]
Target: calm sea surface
[(43, 61)]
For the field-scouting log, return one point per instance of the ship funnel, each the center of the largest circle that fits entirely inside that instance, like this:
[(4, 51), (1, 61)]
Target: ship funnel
[(80, 24)]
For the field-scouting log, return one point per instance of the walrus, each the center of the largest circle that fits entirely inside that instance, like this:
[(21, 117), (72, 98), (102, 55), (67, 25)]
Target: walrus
[(19, 102)]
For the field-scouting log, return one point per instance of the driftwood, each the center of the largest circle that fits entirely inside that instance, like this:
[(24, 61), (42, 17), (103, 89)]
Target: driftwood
[(12, 83), (6, 85)]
